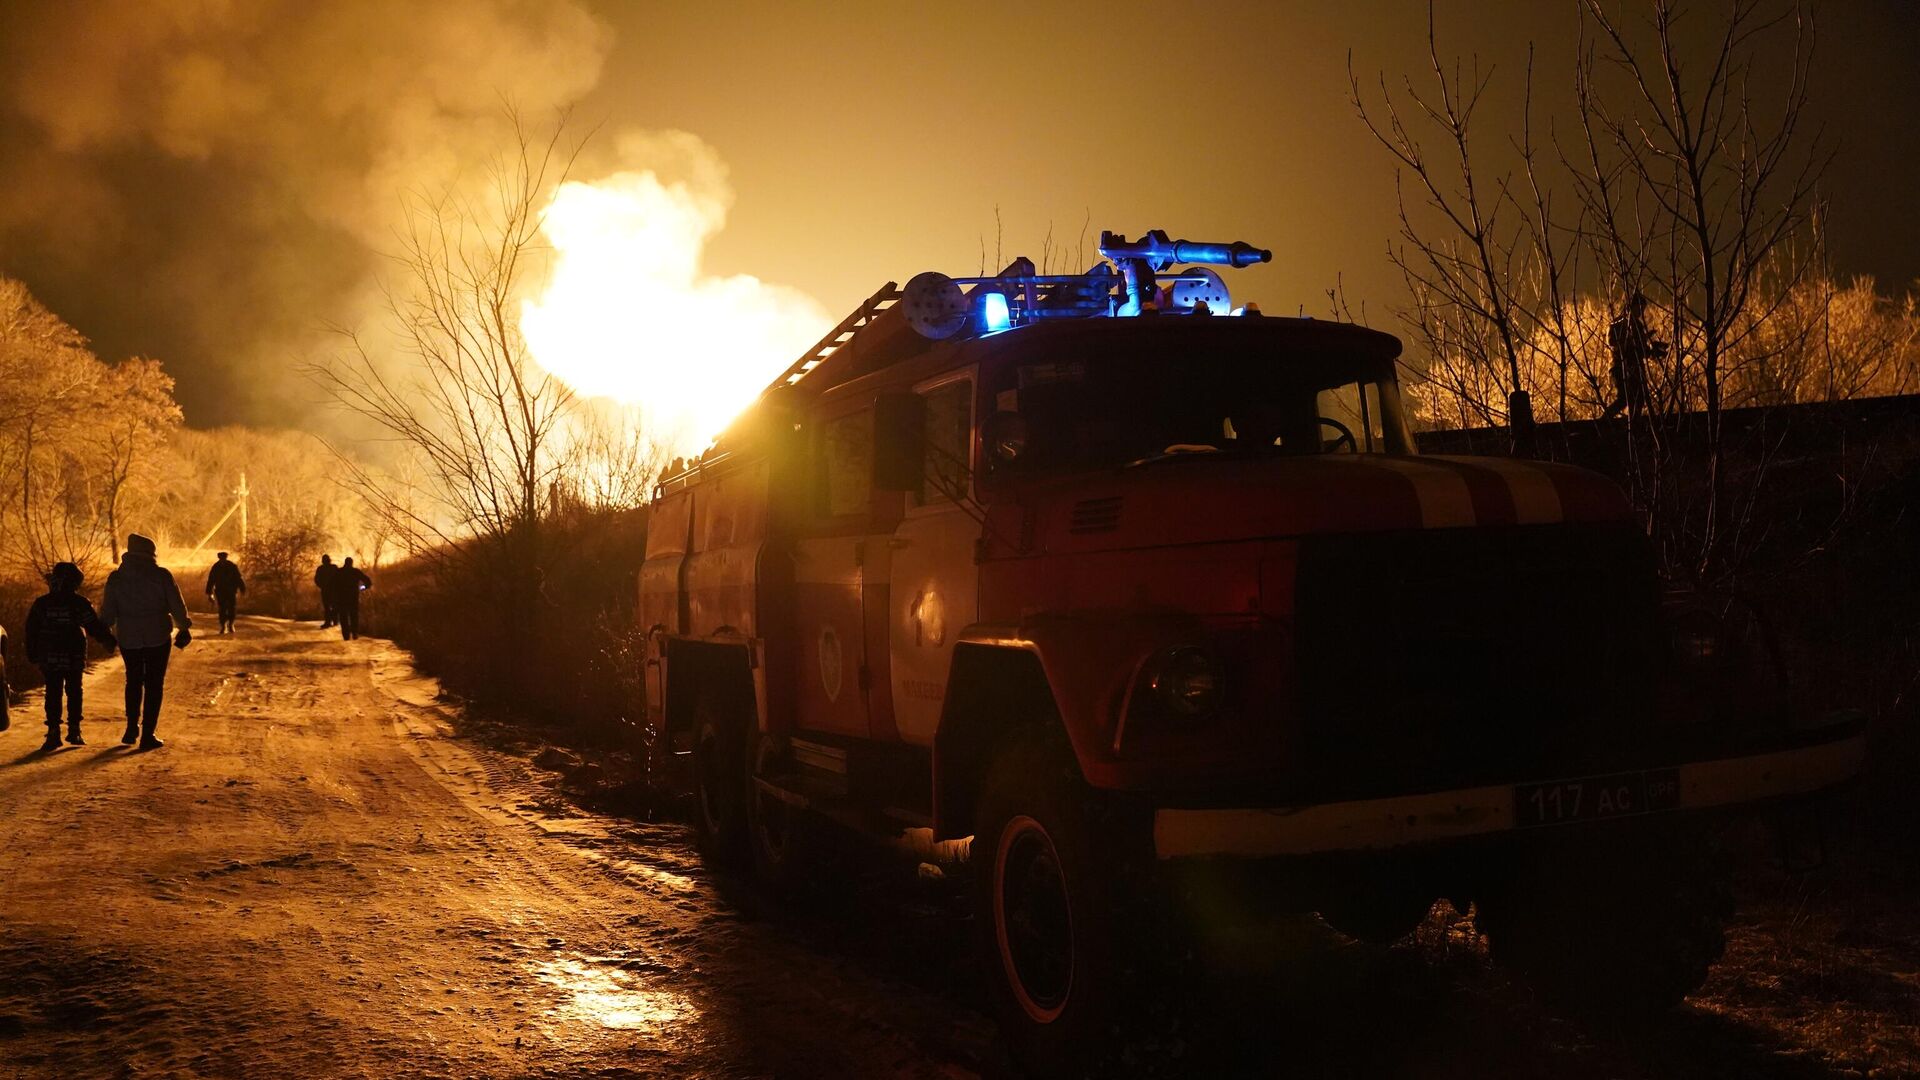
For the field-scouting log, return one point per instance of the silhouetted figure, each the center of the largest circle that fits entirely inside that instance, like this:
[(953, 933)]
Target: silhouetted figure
[(6, 688), (57, 628), (348, 583), (1633, 344), (225, 585), (323, 580), (144, 605)]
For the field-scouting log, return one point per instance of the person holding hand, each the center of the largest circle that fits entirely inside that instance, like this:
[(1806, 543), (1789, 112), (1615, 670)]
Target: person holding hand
[(58, 625), (143, 605)]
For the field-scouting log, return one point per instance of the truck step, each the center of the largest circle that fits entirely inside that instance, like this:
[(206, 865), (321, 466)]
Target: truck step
[(818, 755), (811, 784), (798, 789)]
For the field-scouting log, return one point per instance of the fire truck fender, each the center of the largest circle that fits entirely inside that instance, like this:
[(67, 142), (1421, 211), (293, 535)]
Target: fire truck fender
[(1070, 673), (695, 665), (996, 686)]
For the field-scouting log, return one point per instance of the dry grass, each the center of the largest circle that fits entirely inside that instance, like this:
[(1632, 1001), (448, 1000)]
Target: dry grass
[(1828, 965)]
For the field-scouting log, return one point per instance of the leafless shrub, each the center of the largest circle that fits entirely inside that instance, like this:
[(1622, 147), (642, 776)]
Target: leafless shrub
[(279, 562)]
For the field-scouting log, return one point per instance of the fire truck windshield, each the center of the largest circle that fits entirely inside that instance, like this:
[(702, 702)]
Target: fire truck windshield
[(1119, 410)]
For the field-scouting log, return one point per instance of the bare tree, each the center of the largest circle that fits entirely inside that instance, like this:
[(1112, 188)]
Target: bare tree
[(469, 405), (1690, 184), (140, 420), (611, 461), (1463, 274), (78, 438), (1701, 177)]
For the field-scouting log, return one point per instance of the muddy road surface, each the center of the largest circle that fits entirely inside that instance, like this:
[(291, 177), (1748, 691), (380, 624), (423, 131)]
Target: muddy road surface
[(317, 877), (311, 879)]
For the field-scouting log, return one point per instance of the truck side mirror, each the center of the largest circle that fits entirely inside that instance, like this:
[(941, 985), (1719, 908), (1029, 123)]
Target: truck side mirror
[(1005, 434), (899, 441)]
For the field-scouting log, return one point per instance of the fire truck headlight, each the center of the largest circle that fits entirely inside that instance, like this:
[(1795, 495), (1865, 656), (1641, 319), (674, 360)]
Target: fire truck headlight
[(1188, 682)]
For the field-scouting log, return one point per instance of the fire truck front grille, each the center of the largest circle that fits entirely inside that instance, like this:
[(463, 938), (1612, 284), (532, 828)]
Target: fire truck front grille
[(1095, 515), (1438, 658)]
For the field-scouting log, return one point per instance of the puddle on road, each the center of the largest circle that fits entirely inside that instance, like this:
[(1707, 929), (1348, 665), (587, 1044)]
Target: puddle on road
[(603, 994)]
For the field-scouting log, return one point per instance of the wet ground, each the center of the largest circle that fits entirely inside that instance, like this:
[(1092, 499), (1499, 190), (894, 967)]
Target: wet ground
[(317, 878)]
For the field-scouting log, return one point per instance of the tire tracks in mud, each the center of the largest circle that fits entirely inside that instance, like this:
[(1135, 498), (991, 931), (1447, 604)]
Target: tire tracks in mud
[(312, 881), (812, 1012)]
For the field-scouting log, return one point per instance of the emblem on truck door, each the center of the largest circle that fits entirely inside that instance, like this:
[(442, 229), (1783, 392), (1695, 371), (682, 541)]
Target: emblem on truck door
[(830, 662), (929, 619)]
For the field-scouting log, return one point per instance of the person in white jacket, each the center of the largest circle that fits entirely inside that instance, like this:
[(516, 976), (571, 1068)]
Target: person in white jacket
[(144, 607)]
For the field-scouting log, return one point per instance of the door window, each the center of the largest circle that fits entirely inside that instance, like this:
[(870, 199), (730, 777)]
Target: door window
[(849, 463), (946, 470)]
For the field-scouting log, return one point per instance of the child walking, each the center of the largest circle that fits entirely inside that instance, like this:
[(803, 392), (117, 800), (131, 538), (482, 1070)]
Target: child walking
[(57, 629)]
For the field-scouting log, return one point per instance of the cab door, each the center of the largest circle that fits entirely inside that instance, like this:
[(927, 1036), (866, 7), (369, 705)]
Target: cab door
[(840, 562), (663, 597), (933, 579)]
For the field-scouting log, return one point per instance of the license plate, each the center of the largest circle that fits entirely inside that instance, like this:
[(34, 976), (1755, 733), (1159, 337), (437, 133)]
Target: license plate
[(1592, 798)]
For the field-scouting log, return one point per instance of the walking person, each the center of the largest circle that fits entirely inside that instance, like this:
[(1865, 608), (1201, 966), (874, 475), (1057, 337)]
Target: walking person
[(57, 628), (323, 580), (6, 688), (348, 583), (225, 585), (144, 605)]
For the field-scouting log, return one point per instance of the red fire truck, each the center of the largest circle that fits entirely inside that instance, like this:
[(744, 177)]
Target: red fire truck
[(1098, 583)]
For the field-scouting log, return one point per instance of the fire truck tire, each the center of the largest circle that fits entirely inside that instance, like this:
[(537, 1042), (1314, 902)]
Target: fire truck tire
[(789, 845), (722, 724), (1625, 932), (1056, 872)]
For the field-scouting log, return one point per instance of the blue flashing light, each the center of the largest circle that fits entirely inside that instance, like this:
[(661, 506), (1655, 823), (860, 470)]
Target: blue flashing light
[(994, 311)]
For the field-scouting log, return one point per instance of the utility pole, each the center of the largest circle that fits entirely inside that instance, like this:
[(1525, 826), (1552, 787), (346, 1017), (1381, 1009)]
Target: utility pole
[(242, 492)]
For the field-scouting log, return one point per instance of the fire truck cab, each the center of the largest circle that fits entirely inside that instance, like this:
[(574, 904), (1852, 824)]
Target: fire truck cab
[(1091, 581)]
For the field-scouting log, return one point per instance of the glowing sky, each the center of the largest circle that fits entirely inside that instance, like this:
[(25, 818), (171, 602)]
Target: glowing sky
[(207, 183)]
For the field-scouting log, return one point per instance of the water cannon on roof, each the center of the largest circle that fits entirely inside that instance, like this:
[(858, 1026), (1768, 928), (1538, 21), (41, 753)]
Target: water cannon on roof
[(1162, 253), (1141, 261)]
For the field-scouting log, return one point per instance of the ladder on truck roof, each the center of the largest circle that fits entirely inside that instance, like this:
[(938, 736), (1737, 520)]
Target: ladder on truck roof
[(880, 301), (862, 316)]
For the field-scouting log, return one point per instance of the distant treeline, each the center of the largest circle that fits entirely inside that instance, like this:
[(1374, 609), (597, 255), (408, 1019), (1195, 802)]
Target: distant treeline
[(92, 450), (1816, 339)]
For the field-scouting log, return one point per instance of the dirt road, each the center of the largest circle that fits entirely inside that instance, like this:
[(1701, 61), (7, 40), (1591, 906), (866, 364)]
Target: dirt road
[(310, 879), (316, 878)]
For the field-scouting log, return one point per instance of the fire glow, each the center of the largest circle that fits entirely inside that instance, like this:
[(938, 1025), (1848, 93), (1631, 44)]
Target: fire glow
[(629, 314)]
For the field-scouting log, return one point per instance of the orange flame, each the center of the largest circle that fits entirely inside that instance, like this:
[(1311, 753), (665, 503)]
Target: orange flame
[(629, 314)]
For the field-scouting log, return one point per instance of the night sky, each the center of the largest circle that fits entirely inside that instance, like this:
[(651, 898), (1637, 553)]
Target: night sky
[(208, 183)]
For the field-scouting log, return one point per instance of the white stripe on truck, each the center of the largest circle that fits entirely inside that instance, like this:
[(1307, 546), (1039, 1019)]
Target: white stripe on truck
[(1445, 501), (1375, 824), (1535, 500)]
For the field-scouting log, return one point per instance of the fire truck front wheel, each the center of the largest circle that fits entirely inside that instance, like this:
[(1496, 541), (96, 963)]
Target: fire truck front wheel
[(1057, 937), (721, 725)]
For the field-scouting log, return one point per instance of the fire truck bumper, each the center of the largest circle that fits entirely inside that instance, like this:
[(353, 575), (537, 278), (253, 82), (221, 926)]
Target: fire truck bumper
[(1399, 821)]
